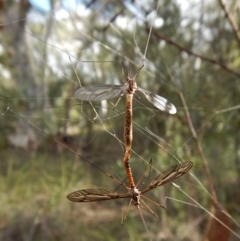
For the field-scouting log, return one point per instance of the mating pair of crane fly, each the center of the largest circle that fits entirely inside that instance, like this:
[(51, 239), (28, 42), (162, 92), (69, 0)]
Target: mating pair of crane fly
[(104, 92)]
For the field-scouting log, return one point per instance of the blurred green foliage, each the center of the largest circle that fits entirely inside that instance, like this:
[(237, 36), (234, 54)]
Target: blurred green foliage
[(42, 62)]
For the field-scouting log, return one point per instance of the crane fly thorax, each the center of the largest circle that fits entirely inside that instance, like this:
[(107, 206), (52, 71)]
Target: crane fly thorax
[(131, 86), (135, 195)]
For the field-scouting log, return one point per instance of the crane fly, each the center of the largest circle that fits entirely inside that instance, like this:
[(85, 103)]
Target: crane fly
[(94, 195), (104, 92)]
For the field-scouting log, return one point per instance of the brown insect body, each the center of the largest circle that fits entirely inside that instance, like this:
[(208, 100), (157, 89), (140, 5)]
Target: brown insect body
[(128, 136)]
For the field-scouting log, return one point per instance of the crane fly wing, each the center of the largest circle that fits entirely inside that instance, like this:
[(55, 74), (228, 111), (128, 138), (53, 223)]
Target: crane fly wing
[(159, 102), (170, 175), (98, 92), (93, 195)]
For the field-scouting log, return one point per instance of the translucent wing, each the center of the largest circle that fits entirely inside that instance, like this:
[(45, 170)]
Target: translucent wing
[(169, 175), (98, 92), (93, 195), (159, 102)]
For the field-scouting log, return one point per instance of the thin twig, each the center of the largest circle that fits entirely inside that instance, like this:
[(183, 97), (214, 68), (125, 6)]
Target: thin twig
[(213, 61), (216, 205), (231, 21), (199, 147)]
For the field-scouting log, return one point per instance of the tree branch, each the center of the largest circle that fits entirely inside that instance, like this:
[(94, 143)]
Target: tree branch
[(231, 21), (213, 61)]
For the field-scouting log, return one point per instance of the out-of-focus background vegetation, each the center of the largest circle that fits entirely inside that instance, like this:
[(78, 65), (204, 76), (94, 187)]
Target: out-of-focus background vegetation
[(192, 59)]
